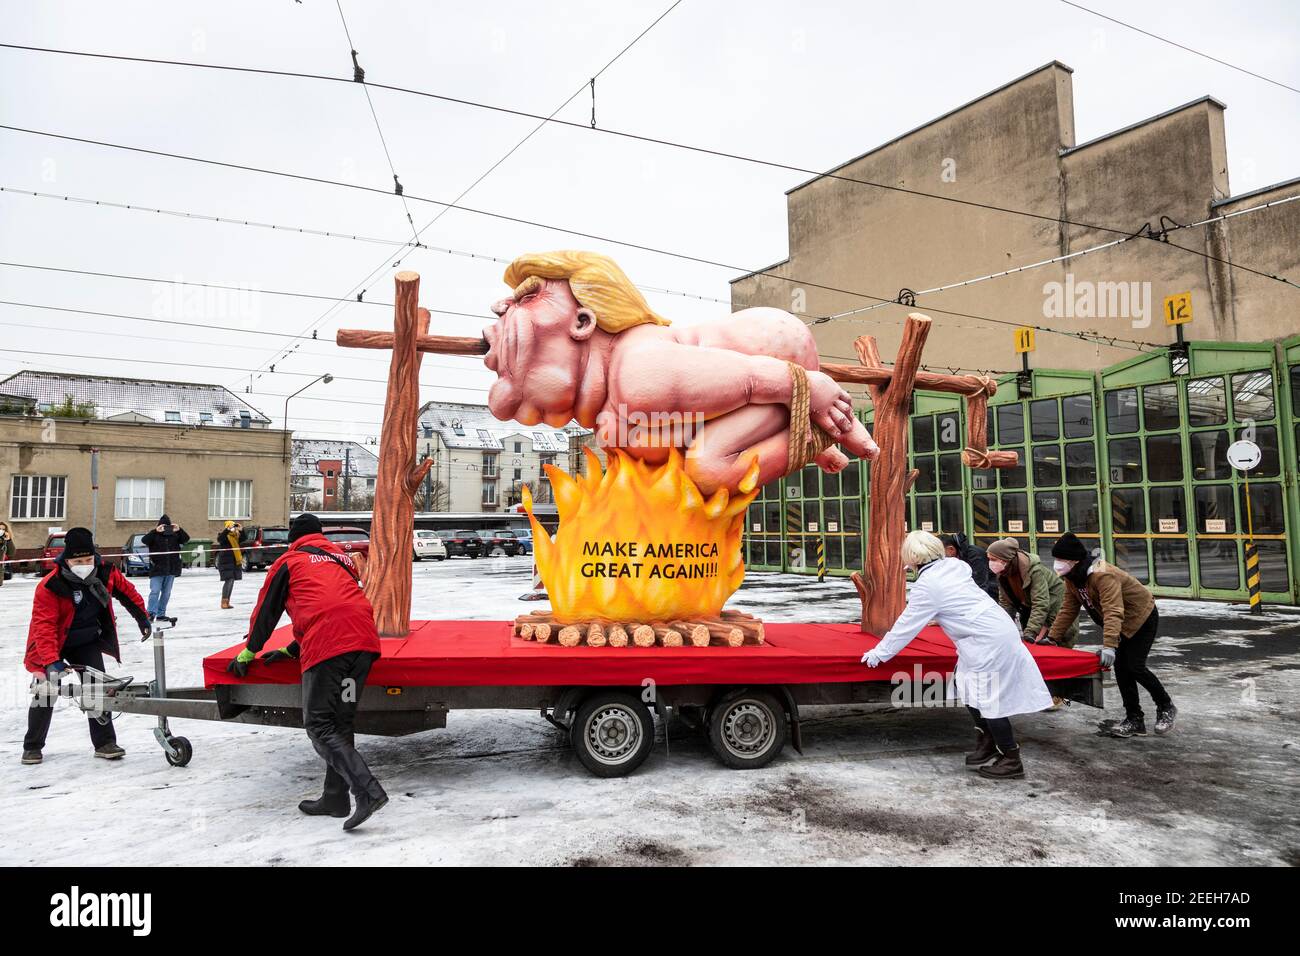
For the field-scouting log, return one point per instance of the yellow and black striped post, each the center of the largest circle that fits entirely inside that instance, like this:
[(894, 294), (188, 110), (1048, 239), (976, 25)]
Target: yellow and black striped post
[(821, 559), (1252, 557)]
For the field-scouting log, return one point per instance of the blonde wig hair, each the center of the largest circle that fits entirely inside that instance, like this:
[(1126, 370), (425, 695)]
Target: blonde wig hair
[(597, 283), (921, 547)]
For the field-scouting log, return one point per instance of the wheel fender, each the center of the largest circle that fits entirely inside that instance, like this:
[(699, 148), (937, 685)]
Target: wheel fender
[(792, 712)]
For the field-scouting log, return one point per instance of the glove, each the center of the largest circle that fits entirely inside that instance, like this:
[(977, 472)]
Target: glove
[(871, 658), (54, 672), (280, 655), (146, 629), (1107, 655), (239, 666)]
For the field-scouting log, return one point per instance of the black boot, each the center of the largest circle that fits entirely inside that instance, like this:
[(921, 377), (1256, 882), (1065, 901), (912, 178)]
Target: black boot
[(366, 805), (1129, 727), (985, 749), (327, 806), (1006, 767)]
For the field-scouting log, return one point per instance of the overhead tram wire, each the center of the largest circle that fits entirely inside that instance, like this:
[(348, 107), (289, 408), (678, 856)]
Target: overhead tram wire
[(1064, 257), (370, 277), (359, 76), (816, 321), (275, 227), (1156, 36), (553, 228), (992, 207)]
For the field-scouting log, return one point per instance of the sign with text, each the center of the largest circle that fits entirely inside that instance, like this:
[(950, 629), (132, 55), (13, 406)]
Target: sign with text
[(1178, 308)]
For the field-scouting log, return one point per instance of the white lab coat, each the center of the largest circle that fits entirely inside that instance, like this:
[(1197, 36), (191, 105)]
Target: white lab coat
[(995, 672)]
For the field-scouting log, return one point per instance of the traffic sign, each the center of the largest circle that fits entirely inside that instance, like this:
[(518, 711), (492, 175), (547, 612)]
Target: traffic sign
[(1024, 339), (1244, 455)]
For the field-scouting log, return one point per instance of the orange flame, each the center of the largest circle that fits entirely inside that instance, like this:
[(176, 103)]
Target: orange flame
[(639, 542)]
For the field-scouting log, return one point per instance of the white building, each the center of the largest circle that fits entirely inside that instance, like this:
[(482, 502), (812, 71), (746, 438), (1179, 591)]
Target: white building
[(482, 464)]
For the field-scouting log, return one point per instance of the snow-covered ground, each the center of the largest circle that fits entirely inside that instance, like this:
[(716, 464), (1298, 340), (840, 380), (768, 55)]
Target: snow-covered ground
[(875, 785)]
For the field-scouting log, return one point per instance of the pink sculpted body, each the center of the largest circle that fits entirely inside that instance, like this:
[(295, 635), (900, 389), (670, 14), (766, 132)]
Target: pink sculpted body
[(720, 391)]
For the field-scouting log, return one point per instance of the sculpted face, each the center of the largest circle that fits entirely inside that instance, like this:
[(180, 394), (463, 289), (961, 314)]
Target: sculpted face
[(536, 349)]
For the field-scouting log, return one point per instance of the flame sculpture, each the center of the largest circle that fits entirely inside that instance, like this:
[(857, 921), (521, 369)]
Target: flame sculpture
[(640, 542)]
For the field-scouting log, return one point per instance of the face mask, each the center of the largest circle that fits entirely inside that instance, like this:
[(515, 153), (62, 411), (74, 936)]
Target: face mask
[(996, 566), (83, 571), (1063, 567)]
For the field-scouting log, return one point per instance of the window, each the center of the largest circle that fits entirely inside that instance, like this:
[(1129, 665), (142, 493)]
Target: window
[(489, 492), (1076, 416), (489, 466), (205, 418), (1252, 396), (1080, 463), (329, 492), (329, 472), (1266, 439), (485, 435), (519, 446), (1121, 411), (1207, 403), (173, 416), (138, 499), (1165, 457), (519, 474), (1011, 424), (922, 434), (37, 496), (1043, 424), (245, 419), (230, 498), (1210, 455), (1047, 465), (1125, 461), (1160, 406)]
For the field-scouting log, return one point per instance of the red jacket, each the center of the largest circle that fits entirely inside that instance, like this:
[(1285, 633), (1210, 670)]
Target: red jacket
[(53, 608), (329, 611)]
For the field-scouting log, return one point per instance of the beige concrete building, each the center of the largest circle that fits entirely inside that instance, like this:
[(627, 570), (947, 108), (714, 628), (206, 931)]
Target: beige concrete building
[(1015, 147), (196, 452)]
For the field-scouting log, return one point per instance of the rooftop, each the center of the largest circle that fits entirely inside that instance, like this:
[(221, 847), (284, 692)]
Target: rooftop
[(473, 426), (361, 461), (135, 399)]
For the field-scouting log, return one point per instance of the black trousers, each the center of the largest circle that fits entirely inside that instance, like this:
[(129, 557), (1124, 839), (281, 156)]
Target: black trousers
[(1131, 669), (41, 712), (999, 727), (330, 693)]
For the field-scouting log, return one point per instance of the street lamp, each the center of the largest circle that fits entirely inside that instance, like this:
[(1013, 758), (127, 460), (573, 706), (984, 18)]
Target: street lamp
[(288, 443)]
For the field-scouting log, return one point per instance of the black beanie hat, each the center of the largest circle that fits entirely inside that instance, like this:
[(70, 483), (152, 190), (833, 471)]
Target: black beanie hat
[(302, 526), (1069, 548), (78, 543)]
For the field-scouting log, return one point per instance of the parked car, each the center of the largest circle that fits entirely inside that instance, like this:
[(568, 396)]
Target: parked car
[(53, 548), (261, 546), (135, 556), (427, 544), (351, 540), (499, 539), (465, 544), (523, 538)]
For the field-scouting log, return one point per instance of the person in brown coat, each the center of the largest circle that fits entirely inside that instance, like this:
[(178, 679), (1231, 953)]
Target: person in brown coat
[(7, 551), (1126, 613)]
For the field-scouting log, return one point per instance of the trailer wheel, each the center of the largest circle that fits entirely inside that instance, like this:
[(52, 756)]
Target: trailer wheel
[(612, 733), (747, 729), (183, 752)]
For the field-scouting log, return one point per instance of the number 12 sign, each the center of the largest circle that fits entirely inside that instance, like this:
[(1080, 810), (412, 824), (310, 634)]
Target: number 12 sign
[(1178, 309)]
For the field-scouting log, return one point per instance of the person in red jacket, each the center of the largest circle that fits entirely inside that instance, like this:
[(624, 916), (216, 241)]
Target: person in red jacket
[(73, 623), (335, 642)]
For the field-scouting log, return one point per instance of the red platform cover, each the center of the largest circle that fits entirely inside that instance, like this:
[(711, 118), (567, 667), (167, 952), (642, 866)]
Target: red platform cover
[(485, 653)]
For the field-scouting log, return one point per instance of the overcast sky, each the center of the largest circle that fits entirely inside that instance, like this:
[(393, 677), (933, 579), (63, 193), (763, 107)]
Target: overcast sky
[(808, 83)]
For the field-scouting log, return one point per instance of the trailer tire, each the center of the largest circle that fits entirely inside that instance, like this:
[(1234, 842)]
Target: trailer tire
[(184, 752), (747, 729), (612, 733)]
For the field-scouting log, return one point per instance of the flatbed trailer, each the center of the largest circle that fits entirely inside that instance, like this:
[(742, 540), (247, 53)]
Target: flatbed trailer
[(748, 700)]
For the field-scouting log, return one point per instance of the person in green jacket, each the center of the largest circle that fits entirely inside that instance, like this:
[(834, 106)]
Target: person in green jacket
[(1029, 591)]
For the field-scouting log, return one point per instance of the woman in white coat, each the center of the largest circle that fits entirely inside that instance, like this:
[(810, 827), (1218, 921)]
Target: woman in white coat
[(996, 677)]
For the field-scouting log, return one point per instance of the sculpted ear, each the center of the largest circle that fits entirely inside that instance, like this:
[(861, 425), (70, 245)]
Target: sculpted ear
[(584, 324)]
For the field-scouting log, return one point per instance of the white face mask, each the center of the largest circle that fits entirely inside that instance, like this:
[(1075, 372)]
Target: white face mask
[(996, 566), (82, 571), (1063, 567)]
